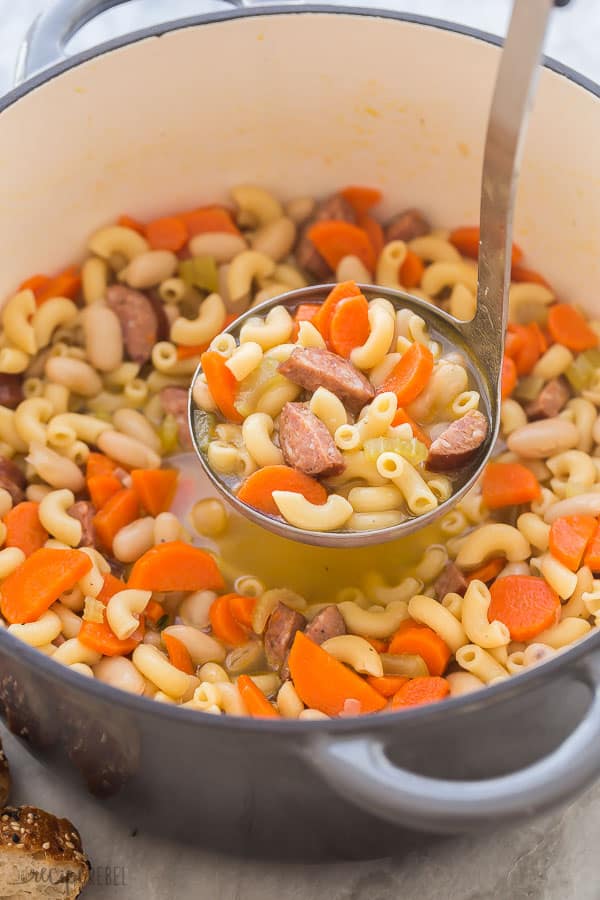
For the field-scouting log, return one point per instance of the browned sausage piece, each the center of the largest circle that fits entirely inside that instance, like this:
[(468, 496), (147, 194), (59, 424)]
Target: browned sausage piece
[(306, 443), (12, 480), (138, 320), (450, 581), (175, 403), (326, 624), (282, 626), (550, 400), (459, 443), (311, 367), (84, 512), (307, 256), (407, 225), (11, 390)]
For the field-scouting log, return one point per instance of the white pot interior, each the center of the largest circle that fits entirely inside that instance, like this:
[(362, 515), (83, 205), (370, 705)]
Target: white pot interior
[(299, 103)]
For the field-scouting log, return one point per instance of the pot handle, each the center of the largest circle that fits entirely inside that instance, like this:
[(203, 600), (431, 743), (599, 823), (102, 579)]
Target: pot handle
[(359, 769), (44, 43)]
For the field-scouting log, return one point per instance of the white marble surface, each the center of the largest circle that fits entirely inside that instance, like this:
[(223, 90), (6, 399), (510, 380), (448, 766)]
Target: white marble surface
[(554, 858)]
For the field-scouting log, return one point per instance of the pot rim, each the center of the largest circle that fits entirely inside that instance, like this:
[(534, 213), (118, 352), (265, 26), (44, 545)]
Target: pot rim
[(59, 674)]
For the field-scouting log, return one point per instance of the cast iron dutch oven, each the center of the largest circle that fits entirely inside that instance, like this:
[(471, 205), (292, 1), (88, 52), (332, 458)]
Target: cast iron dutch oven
[(301, 99)]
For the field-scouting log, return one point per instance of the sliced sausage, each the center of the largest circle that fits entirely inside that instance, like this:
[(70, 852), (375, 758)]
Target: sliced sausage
[(11, 390), (407, 225), (12, 480), (326, 624), (175, 403), (282, 626), (306, 443), (459, 443), (138, 320), (312, 367), (550, 400), (84, 512), (450, 581), (163, 328), (307, 256)]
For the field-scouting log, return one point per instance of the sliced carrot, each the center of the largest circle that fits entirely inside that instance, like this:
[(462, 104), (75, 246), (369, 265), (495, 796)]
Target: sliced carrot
[(324, 683), (567, 326), (255, 701), (176, 566), (411, 270), (422, 641), (128, 222), (222, 384), (378, 643), (508, 377), (100, 637), (179, 655), (524, 345), (40, 580), (508, 484), (122, 509), (361, 198), (257, 489), (242, 609), (387, 685), (526, 604), (305, 312), (167, 233), (24, 529), (102, 487), (186, 352), (112, 585), (335, 239), (65, 284), (99, 464), (419, 691), (223, 623), (592, 554), (374, 232), (208, 219), (520, 273), (35, 283), (403, 418), (410, 375), (343, 290), (488, 571), (349, 325), (569, 538), (155, 488), (154, 611), (466, 241), (539, 336)]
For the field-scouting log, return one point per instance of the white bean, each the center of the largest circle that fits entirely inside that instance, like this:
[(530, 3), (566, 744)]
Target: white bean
[(103, 337)]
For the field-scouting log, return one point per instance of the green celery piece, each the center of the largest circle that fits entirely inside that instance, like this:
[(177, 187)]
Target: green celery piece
[(167, 433), (412, 450), (204, 428), (200, 272), (581, 371), (251, 388), (528, 387)]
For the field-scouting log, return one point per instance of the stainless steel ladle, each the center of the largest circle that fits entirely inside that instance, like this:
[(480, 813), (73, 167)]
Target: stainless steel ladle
[(482, 338)]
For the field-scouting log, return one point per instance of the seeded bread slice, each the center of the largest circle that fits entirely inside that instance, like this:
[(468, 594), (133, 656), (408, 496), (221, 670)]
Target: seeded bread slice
[(40, 856)]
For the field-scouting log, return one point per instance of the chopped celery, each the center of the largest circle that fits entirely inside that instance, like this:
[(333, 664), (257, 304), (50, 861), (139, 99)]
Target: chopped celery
[(167, 433), (408, 664), (200, 272), (204, 428), (252, 387), (581, 371), (412, 450), (529, 387)]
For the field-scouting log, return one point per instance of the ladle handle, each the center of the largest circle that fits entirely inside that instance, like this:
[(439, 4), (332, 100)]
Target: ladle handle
[(518, 72)]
